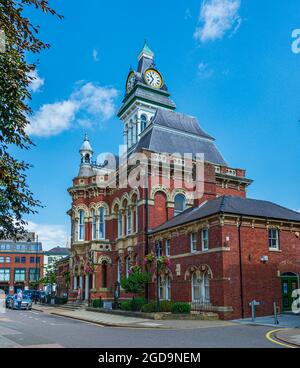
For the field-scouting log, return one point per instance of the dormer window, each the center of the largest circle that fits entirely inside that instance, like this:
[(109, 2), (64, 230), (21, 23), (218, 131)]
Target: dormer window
[(179, 204), (143, 122)]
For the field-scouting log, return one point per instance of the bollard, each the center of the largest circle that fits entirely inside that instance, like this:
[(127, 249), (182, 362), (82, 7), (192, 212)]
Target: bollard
[(253, 310), (275, 314), (253, 306)]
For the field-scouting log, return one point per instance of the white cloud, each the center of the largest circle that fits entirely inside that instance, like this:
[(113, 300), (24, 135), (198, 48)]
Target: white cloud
[(97, 100), (88, 102), (52, 119), (49, 235), (204, 71), (95, 55), (216, 18), (37, 82)]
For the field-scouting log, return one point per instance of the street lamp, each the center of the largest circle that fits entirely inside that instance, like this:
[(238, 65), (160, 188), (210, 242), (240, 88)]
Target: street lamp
[(157, 248), (36, 267)]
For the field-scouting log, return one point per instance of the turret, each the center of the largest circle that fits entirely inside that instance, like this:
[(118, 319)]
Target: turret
[(86, 153)]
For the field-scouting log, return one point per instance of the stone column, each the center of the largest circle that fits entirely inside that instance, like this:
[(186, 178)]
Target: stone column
[(94, 281), (87, 287), (75, 283)]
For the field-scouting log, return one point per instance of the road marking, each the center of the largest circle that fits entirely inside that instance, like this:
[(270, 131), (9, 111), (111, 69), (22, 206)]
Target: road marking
[(269, 337)]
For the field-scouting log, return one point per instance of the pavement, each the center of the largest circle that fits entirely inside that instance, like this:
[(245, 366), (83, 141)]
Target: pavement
[(112, 320), (286, 320), (290, 336)]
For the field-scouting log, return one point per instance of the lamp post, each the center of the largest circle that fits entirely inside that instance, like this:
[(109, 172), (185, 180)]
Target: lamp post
[(36, 268), (157, 248), (146, 223), (36, 260)]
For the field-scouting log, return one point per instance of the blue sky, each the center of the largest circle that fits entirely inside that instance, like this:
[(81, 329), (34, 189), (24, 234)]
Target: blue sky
[(228, 62)]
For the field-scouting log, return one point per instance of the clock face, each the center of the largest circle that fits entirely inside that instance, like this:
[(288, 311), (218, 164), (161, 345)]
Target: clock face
[(153, 78), (130, 82)]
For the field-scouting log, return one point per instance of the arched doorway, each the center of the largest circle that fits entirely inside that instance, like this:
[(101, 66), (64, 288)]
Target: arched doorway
[(289, 283)]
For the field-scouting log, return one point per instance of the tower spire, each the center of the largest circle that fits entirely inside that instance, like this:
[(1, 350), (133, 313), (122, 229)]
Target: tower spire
[(146, 52)]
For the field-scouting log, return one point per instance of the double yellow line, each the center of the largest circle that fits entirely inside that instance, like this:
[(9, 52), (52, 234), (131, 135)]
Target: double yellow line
[(270, 338)]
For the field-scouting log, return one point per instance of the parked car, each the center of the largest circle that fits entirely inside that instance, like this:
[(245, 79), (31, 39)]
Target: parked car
[(34, 295), (26, 302)]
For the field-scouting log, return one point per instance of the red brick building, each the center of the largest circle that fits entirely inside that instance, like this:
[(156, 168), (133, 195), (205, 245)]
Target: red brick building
[(183, 198), (21, 263)]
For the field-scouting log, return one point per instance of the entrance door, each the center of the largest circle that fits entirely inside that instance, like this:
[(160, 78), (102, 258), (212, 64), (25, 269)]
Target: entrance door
[(289, 282)]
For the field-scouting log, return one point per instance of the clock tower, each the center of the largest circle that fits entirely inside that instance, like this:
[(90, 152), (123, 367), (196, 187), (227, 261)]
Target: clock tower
[(145, 93)]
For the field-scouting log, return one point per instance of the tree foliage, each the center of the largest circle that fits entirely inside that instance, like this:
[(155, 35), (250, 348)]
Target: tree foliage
[(135, 282), (21, 37), (50, 275)]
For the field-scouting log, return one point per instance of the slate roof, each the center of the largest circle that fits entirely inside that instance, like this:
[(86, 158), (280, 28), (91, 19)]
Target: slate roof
[(59, 251), (179, 121), (85, 170), (231, 205), (172, 132), (86, 144)]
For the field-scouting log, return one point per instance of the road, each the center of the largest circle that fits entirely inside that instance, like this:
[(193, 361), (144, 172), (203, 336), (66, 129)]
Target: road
[(37, 329)]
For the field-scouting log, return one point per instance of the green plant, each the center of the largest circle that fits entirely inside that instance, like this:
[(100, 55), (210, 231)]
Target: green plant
[(137, 303), (135, 282), (181, 308), (166, 306), (149, 308), (163, 262), (126, 305), (98, 303)]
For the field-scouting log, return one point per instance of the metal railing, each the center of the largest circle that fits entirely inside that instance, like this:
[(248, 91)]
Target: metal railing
[(200, 305)]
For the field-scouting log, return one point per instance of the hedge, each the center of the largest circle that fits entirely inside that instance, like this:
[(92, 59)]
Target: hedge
[(98, 303), (181, 308)]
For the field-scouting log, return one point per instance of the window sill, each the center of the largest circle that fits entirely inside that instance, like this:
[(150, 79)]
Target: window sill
[(275, 250)]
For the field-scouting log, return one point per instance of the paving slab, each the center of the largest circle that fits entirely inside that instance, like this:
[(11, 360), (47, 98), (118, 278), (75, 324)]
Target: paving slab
[(113, 320), (290, 336)]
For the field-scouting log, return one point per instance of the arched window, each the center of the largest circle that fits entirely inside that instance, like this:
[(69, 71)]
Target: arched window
[(119, 223), (128, 265), (93, 225), (104, 274), (102, 223), (165, 288), (131, 133), (81, 225), (136, 128), (126, 135), (179, 204), (143, 122), (200, 288), (128, 220)]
